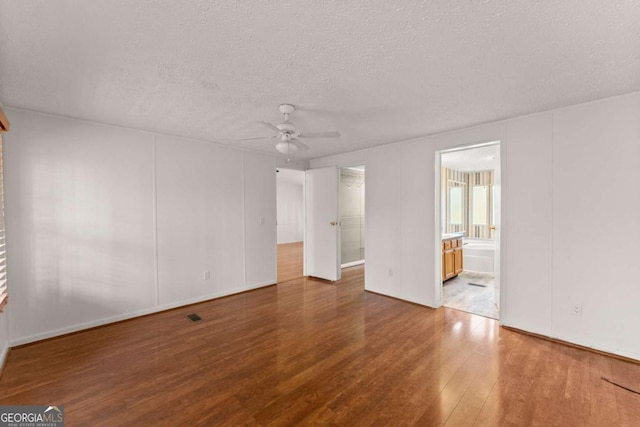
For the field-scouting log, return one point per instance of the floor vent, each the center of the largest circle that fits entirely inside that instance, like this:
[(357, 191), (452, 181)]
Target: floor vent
[(477, 284), (194, 317)]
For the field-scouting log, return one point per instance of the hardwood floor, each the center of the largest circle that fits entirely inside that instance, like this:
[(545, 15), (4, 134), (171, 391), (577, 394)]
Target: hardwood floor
[(290, 259), (307, 352)]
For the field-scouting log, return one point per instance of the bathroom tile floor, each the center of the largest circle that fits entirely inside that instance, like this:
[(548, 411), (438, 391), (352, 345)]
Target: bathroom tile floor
[(459, 294)]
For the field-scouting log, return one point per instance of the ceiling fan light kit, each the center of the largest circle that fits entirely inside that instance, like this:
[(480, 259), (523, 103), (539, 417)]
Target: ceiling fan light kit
[(286, 147), (286, 131)]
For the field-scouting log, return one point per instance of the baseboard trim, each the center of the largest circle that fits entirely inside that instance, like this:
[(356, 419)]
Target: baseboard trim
[(260, 285), (570, 344), (420, 304), (132, 315), (352, 264)]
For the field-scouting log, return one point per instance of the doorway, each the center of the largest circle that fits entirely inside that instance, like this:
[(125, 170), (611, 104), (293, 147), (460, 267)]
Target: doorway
[(469, 211), (352, 217), (290, 223)]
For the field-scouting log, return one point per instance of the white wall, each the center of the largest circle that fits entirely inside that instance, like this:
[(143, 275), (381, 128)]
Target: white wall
[(569, 224), (105, 223), (260, 220), (596, 224), (195, 197), (290, 205)]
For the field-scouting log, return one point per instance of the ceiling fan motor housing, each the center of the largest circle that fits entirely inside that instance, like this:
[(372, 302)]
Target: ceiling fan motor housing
[(287, 108)]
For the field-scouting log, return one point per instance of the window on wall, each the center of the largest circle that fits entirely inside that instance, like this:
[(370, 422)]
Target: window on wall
[(4, 295), (455, 205), (479, 201)]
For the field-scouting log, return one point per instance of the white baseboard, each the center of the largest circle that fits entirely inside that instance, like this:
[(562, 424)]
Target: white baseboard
[(131, 315), (261, 285), (571, 340), (399, 297), (352, 264), (598, 347)]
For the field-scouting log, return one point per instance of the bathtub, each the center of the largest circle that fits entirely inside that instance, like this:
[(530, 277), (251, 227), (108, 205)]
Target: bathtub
[(478, 255)]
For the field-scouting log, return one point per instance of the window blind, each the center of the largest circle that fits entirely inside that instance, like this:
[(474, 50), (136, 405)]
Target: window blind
[(4, 295)]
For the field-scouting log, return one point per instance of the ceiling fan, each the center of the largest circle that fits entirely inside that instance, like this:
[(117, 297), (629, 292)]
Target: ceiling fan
[(288, 135)]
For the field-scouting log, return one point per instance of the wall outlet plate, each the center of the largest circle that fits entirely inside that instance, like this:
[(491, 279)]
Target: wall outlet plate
[(576, 309)]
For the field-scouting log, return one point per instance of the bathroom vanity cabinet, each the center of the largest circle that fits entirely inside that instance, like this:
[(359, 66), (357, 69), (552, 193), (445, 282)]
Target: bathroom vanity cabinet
[(451, 258)]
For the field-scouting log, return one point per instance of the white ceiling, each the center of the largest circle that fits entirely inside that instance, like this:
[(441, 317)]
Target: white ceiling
[(377, 72)]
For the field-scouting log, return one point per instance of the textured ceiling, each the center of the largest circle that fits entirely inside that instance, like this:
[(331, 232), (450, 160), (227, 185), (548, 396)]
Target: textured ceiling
[(377, 72)]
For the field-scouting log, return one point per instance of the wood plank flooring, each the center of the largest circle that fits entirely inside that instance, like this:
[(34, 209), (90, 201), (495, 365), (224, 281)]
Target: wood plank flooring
[(306, 352), (290, 259)]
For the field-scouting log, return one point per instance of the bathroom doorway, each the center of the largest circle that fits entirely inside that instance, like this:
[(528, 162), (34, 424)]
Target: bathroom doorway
[(352, 215), (469, 212)]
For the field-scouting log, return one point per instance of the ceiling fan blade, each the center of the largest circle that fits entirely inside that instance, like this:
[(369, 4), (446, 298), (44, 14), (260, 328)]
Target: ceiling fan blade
[(259, 137), (270, 126), (301, 146), (320, 135)]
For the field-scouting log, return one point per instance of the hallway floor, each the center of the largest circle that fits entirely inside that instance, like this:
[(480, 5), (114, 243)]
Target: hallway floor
[(290, 260), (471, 292)]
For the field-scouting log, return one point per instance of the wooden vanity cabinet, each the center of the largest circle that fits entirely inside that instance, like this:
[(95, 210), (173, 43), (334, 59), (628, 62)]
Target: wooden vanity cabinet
[(451, 258), (457, 259), (447, 264)]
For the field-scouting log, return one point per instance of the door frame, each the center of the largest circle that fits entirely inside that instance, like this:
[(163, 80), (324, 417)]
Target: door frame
[(500, 262)]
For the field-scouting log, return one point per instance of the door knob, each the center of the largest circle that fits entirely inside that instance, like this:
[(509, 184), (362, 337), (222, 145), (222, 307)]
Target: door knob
[(332, 223)]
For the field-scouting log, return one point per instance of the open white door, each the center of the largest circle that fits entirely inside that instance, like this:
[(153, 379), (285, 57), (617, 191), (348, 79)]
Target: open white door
[(322, 228)]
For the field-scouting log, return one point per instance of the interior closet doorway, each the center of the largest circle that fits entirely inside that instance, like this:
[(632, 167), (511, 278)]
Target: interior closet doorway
[(290, 223), (352, 216)]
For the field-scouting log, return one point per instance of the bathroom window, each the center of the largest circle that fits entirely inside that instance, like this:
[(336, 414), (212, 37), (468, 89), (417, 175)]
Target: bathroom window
[(479, 201), (455, 205)]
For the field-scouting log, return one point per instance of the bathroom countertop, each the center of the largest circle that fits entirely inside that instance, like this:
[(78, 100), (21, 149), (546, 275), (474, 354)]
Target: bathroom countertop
[(451, 236)]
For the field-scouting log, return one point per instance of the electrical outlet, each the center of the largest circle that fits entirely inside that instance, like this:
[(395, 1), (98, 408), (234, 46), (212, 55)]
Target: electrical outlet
[(391, 272), (206, 275), (576, 309)]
